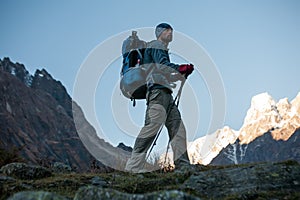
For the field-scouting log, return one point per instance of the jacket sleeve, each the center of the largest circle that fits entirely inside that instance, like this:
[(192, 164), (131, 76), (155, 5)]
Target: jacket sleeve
[(162, 59)]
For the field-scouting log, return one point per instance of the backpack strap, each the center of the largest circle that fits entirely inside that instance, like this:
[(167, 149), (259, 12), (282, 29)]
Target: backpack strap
[(134, 101), (139, 52)]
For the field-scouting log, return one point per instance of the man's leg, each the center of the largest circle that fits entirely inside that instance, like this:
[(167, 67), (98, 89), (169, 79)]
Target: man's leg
[(177, 135), (155, 118)]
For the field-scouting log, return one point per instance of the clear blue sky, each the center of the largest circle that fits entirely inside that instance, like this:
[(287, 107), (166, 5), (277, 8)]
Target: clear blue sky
[(254, 44)]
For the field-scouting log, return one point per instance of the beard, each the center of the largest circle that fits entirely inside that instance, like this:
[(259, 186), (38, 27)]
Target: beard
[(168, 38)]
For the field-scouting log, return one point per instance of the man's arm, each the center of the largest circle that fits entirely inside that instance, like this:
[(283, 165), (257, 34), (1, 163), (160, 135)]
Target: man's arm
[(161, 57)]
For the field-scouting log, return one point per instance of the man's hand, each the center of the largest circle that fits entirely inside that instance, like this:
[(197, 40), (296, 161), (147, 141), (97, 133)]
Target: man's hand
[(186, 69)]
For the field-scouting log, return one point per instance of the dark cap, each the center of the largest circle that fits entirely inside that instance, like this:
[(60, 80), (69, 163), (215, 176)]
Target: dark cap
[(161, 28)]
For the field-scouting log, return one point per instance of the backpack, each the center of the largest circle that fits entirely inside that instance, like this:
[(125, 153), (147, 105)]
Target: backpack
[(133, 76)]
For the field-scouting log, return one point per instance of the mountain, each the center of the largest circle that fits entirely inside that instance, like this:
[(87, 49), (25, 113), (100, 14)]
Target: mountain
[(262, 149), (270, 133), (36, 116)]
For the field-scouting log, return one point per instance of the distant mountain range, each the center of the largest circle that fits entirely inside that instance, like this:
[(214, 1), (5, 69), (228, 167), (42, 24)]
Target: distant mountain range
[(270, 133), (36, 116)]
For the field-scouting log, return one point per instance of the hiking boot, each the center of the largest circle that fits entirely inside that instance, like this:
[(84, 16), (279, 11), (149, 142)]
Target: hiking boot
[(184, 168)]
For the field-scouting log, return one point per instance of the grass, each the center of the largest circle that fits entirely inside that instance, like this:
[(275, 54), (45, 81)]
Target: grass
[(68, 184)]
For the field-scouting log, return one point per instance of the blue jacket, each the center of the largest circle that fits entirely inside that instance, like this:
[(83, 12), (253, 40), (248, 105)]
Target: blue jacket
[(161, 73)]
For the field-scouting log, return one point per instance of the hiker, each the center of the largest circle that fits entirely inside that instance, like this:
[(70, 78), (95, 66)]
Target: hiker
[(161, 108)]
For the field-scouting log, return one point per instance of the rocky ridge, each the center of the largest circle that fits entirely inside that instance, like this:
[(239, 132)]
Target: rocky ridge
[(36, 116), (268, 124)]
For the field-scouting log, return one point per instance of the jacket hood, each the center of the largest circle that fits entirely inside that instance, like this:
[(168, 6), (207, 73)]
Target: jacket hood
[(156, 44)]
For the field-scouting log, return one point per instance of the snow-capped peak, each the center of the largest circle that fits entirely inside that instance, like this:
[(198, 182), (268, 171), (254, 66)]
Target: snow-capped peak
[(281, 119)]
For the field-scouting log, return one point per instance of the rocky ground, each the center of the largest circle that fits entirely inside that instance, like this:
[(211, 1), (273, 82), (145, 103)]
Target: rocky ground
[(248, 181)]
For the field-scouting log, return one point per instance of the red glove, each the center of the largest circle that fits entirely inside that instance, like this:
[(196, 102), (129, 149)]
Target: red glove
[(186, 69)]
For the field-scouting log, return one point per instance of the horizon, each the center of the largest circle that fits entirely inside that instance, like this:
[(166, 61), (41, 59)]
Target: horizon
[(254, 46)]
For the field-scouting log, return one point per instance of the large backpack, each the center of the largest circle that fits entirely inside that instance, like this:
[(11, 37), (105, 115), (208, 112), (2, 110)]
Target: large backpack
[(133, 76)]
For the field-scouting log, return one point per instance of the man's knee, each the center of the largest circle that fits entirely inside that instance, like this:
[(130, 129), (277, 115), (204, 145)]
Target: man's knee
[(143, 144), (176, 127), (156, 113)]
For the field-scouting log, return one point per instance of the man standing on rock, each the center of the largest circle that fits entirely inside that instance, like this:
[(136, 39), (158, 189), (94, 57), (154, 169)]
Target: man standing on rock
[(161, 108)]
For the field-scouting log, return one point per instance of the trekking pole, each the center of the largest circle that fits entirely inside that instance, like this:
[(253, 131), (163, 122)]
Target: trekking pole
[(179, 92), (155, 140), (178, 99)]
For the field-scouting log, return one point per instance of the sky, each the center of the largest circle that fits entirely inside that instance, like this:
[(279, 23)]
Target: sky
[(254, 46)]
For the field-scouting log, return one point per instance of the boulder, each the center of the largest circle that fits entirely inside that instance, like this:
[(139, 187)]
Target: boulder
[(95, 193), (61, 168), (25, 171), (246, 182), (6, 179), (98, 181), (39, 195)]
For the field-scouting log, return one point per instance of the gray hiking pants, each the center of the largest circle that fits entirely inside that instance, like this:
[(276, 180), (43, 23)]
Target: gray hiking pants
[(159, 103)]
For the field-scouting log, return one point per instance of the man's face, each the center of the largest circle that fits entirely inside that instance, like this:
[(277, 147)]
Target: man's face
[(167, 35)]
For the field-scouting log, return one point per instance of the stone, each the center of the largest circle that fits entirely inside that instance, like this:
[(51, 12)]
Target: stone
[(243, 181), (39, 195), (95, 193), (25, 171), (6, 179), (98, 181), (61, 168)]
